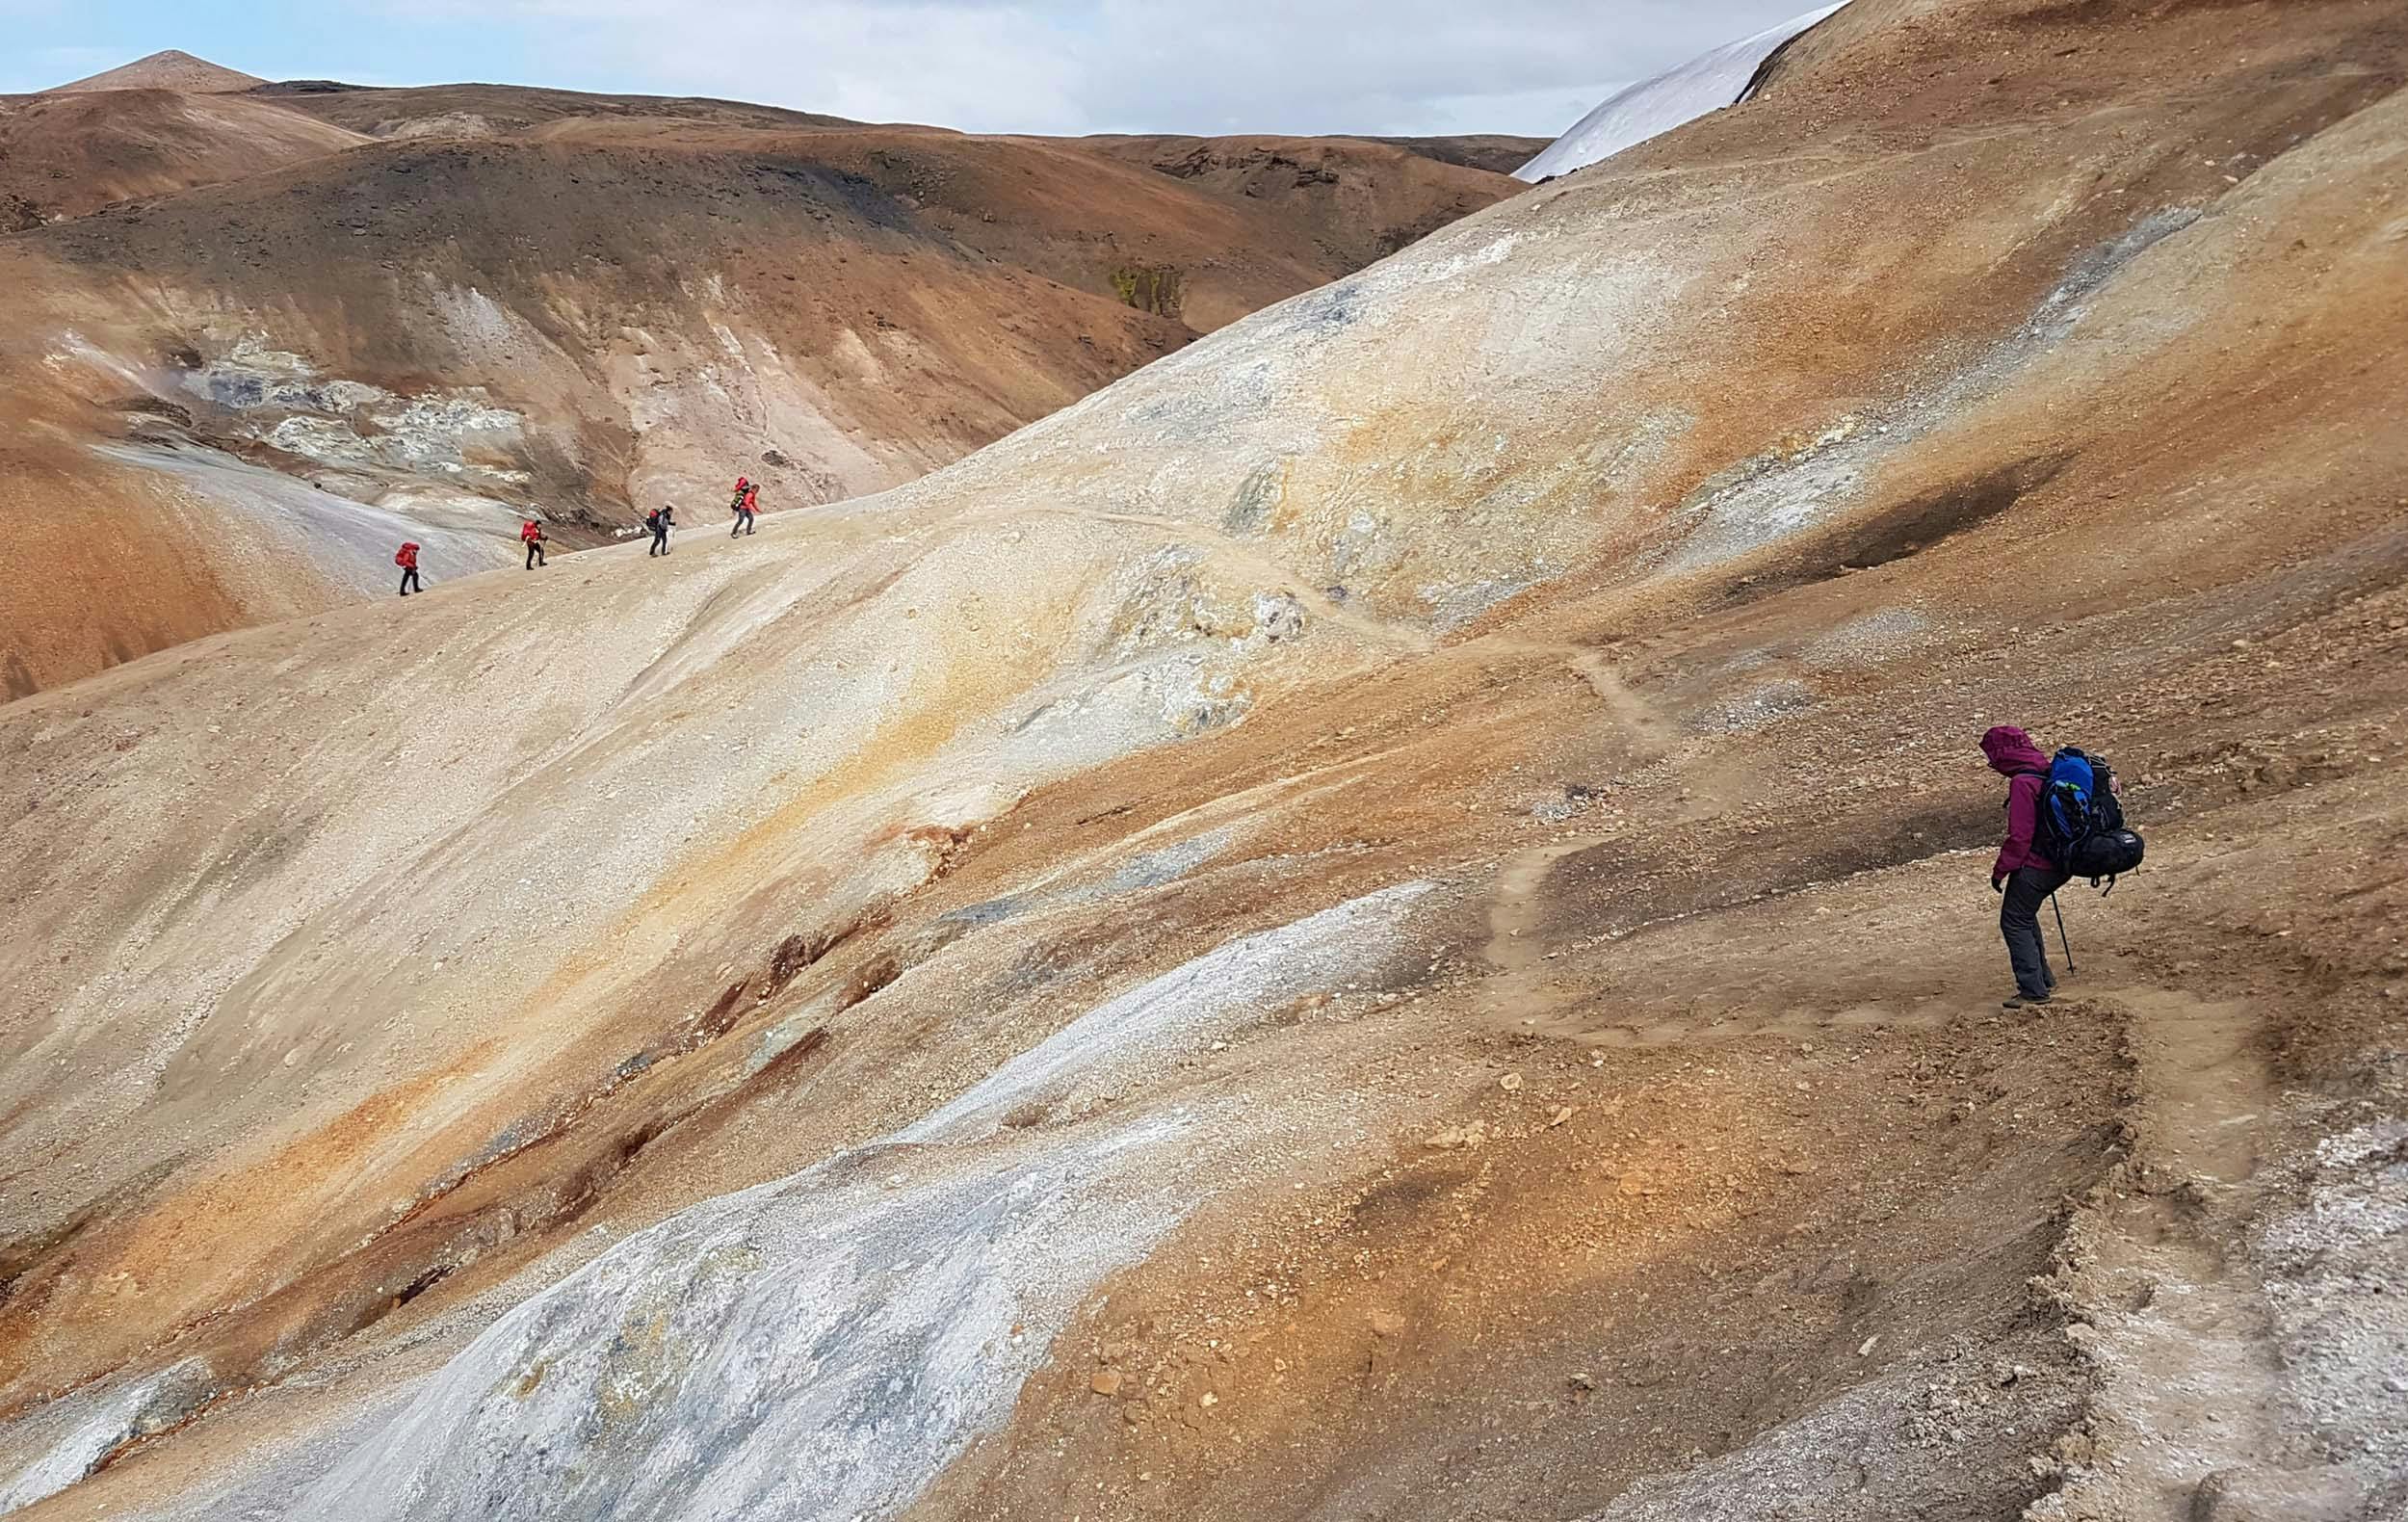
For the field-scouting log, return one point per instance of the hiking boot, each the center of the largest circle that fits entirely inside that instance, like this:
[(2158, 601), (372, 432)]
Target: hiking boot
[(2018, 1001)]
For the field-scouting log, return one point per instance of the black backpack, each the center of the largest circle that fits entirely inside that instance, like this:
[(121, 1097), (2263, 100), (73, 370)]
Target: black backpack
[(2080, 824)]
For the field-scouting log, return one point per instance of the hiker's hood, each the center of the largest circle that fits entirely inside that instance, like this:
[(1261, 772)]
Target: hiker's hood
[(2010, 751)]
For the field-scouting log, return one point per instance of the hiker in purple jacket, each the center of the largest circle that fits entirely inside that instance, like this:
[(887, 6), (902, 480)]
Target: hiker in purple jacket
[(2022, 873)]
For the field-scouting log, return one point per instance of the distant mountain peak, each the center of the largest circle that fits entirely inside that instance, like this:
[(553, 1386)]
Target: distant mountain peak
[(171, 69)]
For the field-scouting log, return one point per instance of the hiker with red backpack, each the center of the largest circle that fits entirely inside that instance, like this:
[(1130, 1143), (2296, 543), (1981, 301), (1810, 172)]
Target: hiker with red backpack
[(658, 522), (530, 533), (748, 507), (2063, 821), (407, 558)]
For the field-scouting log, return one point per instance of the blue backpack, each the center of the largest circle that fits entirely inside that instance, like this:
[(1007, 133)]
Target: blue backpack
[(2082, 822)]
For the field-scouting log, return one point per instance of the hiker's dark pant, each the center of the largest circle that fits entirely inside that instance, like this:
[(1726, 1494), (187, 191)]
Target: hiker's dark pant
[(2019, 920), (660, 543), (410, 580), (535, 553)]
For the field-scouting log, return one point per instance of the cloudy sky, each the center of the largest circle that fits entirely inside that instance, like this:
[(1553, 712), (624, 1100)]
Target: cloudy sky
[(1528, 67)]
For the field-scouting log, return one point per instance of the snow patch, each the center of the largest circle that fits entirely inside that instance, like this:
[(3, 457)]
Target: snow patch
[(1652, 107)]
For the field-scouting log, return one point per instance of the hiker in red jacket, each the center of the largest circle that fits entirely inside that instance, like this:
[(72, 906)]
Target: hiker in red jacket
[(407, 558), (2021, 871), (753, 506), (533, 533)]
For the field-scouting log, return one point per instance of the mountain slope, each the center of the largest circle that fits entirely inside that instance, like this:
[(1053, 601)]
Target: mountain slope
[(64, 155), (1359, 201), (581, 314), (1498, 152), (500, 110), (168, 69), (1417, 861)]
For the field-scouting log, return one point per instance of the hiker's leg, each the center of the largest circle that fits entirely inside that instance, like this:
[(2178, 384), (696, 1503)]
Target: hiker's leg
[(2018, 923)]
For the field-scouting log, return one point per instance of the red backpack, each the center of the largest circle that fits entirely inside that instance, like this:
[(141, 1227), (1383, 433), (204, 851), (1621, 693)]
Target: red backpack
[(406, 555)]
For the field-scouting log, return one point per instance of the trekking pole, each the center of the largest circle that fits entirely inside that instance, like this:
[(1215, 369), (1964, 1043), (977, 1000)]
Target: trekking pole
[(2060, 932)]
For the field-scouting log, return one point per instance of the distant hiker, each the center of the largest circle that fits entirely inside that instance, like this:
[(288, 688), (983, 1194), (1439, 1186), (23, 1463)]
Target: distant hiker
[(748, 507), (533, 533), (659, 522), (407, 558), (2022, 873)]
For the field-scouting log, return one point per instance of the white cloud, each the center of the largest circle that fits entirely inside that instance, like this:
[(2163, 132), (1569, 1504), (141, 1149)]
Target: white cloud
[(1096, 65)]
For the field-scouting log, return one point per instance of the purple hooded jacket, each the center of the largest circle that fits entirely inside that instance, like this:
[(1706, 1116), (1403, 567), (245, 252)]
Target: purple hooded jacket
[(2013, 756)]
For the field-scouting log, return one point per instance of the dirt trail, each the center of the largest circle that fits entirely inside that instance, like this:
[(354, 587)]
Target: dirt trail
[(2189, 1408), (1647, 728), (1515, 911)]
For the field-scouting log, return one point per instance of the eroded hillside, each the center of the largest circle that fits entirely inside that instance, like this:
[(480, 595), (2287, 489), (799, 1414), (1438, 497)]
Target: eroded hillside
[(435, 311), (1382, 918)]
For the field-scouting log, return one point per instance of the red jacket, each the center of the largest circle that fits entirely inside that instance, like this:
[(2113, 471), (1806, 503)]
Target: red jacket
[(406, 556), (2014, 756), (529, 533)]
